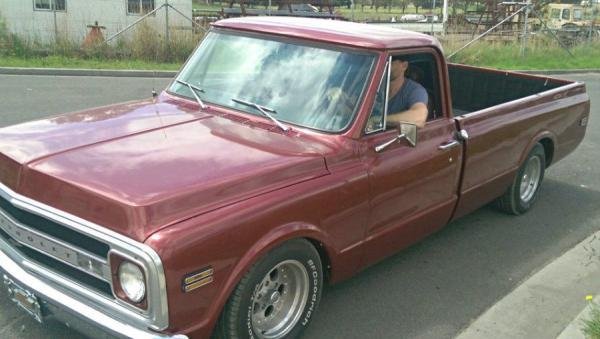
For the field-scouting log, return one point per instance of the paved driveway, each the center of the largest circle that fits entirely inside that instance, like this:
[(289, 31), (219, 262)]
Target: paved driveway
[(433, 289)]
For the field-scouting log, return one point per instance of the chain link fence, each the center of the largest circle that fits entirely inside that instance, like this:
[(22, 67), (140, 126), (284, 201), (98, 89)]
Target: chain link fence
[(166, 31)]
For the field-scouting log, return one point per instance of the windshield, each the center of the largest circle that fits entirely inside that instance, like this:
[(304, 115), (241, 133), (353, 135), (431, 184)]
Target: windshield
[(304, 85)]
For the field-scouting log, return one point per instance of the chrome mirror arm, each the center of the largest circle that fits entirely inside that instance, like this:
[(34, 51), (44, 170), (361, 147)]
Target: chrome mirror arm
[(383, 146)]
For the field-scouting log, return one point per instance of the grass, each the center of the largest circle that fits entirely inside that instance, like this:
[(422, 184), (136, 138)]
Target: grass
[(57, 61), (539, 55), (484, 54), (591, 327)]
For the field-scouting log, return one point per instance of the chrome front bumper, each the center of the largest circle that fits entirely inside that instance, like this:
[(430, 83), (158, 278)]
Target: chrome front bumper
[(67, 304)]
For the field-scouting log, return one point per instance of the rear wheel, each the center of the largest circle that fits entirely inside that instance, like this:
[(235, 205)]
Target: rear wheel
[(277, 298), (523, 192)]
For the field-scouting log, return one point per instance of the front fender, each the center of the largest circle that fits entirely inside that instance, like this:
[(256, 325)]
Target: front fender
[(194, 246), (274, 238)]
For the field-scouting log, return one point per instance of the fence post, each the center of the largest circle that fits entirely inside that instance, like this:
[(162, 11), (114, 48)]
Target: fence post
[(53, 7)]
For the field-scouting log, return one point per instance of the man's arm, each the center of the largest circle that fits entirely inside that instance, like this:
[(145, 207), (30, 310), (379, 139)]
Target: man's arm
[(416, 114)]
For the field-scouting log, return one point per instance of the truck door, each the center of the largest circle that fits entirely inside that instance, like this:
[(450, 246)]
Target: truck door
[(413, 189)]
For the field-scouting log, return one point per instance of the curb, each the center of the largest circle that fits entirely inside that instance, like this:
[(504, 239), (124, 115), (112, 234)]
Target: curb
[(545, 304), (171, 74), (87, 72)]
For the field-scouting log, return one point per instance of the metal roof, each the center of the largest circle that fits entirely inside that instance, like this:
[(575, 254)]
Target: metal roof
[(333, 31)]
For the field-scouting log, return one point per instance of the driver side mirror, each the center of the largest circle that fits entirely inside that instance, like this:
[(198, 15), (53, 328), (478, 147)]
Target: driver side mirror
[(406, 131), (409, 131)]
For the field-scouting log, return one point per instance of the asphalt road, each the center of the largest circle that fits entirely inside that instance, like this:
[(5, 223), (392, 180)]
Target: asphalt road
[(432, 290)]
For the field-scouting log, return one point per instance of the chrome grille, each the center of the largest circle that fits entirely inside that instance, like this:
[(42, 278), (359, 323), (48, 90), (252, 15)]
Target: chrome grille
[(57, 249), (53, 229), (30, 229)]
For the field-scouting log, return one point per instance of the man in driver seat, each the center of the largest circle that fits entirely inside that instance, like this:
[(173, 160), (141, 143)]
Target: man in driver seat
[(408, 99)]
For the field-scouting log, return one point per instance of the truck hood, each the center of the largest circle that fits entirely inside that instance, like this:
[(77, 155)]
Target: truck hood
[(140, 166)]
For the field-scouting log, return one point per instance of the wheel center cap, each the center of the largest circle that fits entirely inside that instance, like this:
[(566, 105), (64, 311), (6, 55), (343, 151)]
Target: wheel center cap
[(275, 297)]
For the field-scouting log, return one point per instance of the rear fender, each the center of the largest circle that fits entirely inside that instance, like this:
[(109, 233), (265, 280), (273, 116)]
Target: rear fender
[(541, 135)]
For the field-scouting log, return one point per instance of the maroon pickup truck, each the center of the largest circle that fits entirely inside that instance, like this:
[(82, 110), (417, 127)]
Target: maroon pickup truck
[(265, 169)]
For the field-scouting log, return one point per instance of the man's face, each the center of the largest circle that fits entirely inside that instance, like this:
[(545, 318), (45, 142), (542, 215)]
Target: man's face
[(398, 68)]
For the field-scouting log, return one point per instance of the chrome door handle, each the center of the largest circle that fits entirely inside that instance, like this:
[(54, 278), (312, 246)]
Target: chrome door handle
[(448, 145)]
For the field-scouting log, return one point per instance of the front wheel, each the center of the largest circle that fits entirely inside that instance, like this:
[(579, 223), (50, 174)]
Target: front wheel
[(523, 192), (277, 297)]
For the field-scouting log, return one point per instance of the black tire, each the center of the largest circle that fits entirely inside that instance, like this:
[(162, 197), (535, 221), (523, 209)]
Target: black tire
[(236, 320), (512, 201)]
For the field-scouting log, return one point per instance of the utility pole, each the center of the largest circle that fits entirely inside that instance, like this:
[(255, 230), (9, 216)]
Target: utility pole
[(166, 24), (432, 16), (525, 29), (445, 16)]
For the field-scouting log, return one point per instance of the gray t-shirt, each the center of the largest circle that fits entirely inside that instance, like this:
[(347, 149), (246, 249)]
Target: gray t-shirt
[(409, 94)]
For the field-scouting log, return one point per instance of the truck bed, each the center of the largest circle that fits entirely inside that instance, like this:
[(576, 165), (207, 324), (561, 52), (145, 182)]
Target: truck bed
[(505, 114), (474, 88)]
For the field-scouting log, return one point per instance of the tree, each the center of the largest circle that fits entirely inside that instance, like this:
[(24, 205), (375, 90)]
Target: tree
[(427, 4), (402, 4)]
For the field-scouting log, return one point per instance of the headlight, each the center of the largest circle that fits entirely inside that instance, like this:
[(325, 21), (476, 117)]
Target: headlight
[(131, 279)]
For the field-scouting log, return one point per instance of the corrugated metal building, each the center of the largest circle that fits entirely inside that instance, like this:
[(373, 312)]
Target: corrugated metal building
[(45, 20)]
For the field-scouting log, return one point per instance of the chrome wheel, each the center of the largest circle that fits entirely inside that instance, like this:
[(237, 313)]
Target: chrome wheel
[(279, 299), (530, 179)]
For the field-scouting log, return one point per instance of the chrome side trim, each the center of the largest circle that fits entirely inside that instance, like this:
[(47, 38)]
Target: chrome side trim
[(387, 91), (196, 280), (157, 314), (107, 322), (384, 76)]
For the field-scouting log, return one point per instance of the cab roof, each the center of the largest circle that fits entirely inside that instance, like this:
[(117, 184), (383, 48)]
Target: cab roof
[(371, 36)]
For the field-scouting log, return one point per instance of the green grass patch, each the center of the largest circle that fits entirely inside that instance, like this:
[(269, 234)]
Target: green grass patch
[(539, 55), (591, 327), (57, 61)]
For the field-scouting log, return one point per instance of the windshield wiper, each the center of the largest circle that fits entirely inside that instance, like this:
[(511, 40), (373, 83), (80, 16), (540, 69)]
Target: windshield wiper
[(193, 89), (264, 110)]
